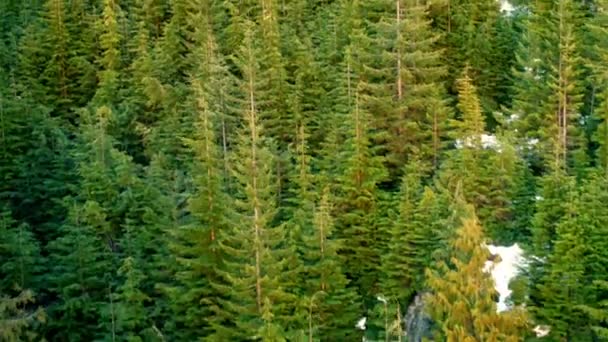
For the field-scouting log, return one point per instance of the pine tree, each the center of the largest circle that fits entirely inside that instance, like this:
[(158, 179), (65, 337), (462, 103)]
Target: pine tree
[(56, 72), (396, 282), (70, 74), (16, 323), (470, 39), (462, 297), (363, 171), (34, 159), (556, 192), (415, 240), (548, 88), (21, 260), (571, 290), (596, 50), (85, 254), (560, 288), (110, 61), (130, 322), (597, 313), (80, 277), (254, 266), (196, 244), (332, 306), (412, 71)]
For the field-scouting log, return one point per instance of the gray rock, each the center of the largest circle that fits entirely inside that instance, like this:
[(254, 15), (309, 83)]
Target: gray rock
[(418, 324)]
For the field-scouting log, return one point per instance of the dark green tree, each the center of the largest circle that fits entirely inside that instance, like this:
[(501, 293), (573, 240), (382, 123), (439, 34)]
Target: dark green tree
[(253, 274)]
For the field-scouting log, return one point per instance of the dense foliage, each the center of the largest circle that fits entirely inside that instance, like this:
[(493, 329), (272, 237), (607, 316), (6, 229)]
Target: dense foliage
[(181, 170)]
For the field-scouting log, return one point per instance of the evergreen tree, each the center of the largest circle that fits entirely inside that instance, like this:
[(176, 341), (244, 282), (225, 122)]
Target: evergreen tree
[(396, 282), (332, 306), (470, 39), (462, 297), (80, 277), (556, 192), (595, 59), (21, 260), (129, 318), (548, 88), (560, 288), (196, 245), (489, 162), (412, 71), (363, 171), (413, 247), (576, 265), (253, 275), (16, 322)]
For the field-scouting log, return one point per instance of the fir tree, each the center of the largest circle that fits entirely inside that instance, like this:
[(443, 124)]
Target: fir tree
[(130, 322), (196, 245), (576, 265), (16, 322), (253, 270), (332, 306), (548, 89), (470, 39), (595, 59), (412, 77), (363, 171), (20, 255), (560, 287), (462, 297)]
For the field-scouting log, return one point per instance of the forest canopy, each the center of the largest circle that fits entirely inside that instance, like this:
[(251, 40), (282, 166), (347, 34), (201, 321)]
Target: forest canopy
[(265, 170)]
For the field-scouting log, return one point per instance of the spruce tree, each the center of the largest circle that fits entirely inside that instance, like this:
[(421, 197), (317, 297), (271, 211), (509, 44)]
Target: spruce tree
[(129, 318), (596, 56), (560, 289), (548, 88), (21, 260), (415, 240), (253, 275), (470, 38), (196, 244), (363, 171), (17, 323), (571, 289), (462, 297), (412, 73), (332, 306), (396, 282), (489, 164)]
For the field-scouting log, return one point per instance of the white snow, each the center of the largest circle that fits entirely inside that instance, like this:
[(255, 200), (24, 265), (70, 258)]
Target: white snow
[(487, 141), (512, 118), (506, 6), (361, 323), (541, 330), (511, 259), (532, 141)]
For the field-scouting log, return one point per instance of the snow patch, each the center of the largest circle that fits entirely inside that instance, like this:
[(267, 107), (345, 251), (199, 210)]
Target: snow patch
[(512, 118), (503, 271), (541, 330), (533, 141), (361, 323), (506, 7), (487, 141)]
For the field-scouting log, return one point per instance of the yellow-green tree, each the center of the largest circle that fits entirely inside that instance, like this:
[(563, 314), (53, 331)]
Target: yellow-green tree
[(462, 293)]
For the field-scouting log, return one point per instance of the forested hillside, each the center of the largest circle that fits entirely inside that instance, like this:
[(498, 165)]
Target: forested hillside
[(275, 170)]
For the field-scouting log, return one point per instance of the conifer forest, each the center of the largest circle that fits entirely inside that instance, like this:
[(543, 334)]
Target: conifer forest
[(303, 170)]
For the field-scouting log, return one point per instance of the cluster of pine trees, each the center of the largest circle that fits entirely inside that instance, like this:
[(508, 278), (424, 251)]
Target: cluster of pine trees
[(182, 170)]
